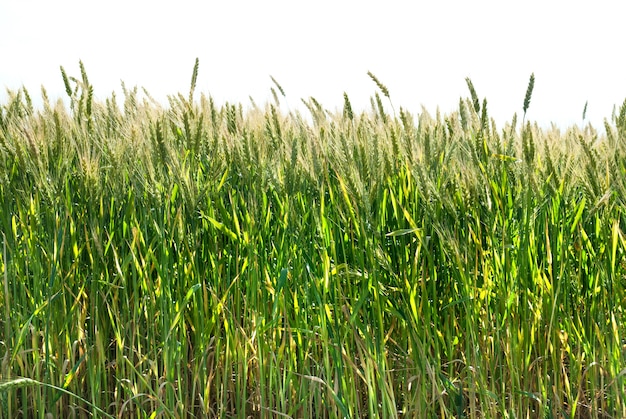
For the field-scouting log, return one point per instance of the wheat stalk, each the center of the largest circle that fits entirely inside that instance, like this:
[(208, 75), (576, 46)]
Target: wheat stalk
[(278, 86), (66, 82), (529, 93), (7, 311), (194, 79), (381, 86), (347, 108), (475, 99)]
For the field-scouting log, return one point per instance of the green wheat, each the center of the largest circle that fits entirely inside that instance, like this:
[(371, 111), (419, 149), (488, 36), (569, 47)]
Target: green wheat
[(203, 260)]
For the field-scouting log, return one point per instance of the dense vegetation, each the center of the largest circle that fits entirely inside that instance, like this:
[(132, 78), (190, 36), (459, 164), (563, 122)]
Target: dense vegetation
[(203, 261)]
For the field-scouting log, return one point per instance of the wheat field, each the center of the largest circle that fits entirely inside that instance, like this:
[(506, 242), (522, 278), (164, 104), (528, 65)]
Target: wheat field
[(187, 260)]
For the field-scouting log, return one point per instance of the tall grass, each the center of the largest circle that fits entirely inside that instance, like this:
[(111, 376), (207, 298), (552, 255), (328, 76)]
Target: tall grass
[(203, 261)]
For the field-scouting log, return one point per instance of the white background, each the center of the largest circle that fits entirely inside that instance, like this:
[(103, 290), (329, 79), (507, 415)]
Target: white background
[(422, 51)]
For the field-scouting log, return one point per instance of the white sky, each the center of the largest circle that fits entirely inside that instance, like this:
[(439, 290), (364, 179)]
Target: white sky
[(421, 50)]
